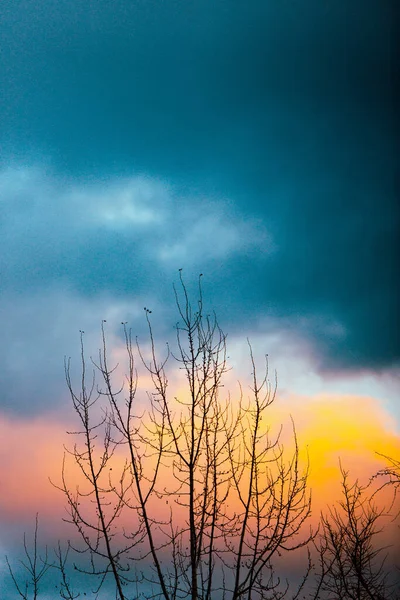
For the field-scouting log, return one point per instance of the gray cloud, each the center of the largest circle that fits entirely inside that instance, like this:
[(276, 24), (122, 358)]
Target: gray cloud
[(95, 235), (75, 254)]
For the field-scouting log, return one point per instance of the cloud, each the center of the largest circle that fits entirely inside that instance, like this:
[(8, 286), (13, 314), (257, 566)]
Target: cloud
[(73, 254), (38, 331), (76, 252), (261, 139), (296, 360), (98, 233)]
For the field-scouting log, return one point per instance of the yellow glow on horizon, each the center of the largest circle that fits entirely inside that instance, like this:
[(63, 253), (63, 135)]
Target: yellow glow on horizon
[(351, 428)]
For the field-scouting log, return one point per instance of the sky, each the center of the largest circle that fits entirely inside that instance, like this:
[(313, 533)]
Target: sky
[(253, 142)]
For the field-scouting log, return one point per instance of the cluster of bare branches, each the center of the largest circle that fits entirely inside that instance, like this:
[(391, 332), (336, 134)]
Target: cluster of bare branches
[(35, 566), (189, 496), (182, 492), (351, 560)]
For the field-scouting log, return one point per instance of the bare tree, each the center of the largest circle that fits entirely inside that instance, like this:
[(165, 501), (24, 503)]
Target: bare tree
[(182, 494), (65, 587), (35, 567), (391, 473), (351, 557), (178, 490)]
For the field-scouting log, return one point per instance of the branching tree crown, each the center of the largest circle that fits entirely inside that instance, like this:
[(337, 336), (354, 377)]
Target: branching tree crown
[(206, 500)]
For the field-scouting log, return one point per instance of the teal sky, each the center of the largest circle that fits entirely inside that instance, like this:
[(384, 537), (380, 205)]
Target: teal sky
[(254, 142)]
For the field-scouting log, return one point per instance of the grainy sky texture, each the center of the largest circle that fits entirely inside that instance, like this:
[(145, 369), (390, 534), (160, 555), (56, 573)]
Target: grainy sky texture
[(251, 141)]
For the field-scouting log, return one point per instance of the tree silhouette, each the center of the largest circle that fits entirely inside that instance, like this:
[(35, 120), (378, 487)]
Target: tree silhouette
[(351, 558), (178, 489), (34, 565), (182, 494)]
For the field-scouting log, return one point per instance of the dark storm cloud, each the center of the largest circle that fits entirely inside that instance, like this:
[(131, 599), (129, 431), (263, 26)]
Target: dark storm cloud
[(114, 235), (284, 109)]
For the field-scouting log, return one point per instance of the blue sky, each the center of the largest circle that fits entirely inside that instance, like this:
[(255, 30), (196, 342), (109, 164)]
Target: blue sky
[(250, 141)]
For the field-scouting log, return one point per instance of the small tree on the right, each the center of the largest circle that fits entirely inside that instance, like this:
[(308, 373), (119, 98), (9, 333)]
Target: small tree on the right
[(352, 559)]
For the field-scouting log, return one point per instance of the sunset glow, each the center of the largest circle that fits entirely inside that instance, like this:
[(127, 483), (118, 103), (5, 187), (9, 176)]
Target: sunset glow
[(349, 428)]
